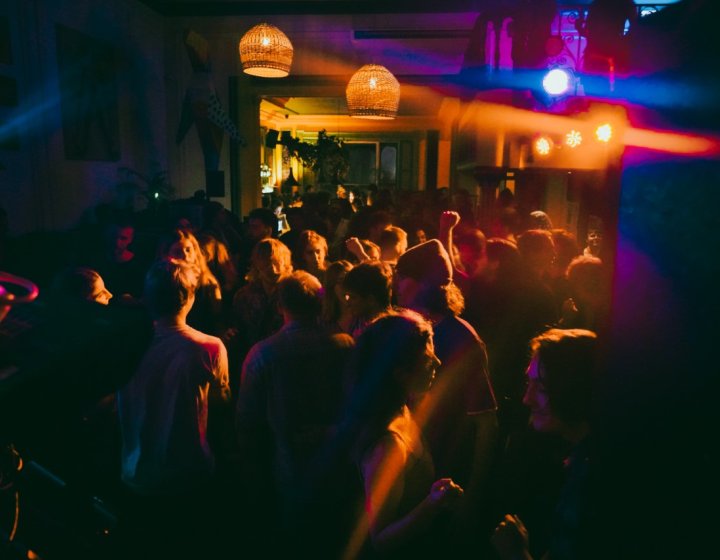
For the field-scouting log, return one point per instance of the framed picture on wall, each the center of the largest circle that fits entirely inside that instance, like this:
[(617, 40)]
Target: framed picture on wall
[(89, 97)]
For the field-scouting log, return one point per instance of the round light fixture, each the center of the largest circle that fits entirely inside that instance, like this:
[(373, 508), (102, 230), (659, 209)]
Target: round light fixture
[(373, 93), (266, 51), (543, 145)]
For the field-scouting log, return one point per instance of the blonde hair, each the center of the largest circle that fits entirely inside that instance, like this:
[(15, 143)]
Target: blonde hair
[(309, 237), (269, 249), (205, 275), (217, 256)]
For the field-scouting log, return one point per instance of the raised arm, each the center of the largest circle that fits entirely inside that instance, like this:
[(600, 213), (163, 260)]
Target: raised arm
[(448, 221), (354, 246)]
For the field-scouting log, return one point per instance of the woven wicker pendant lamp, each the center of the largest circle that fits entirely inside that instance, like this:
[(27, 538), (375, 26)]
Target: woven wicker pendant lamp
[(266, 51), (373, 93)]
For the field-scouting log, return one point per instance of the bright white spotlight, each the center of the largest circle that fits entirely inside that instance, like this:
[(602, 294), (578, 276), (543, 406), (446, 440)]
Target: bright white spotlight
[(573, 139), (556, 82), (543, 145), (604, 132)]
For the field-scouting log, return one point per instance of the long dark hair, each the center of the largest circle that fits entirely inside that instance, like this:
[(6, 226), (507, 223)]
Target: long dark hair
[(375, 394)]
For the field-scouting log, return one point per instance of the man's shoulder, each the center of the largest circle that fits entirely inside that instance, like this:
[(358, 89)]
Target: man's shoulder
[(196, 339), (304, 337), (457, 327)]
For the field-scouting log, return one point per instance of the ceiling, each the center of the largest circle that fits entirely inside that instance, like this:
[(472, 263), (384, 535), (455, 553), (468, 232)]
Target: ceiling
[(423, 42), (180, 8)]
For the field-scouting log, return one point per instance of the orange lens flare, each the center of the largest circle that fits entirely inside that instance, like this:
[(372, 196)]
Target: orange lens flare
[(573, 138), (604, 132), (543, 146)]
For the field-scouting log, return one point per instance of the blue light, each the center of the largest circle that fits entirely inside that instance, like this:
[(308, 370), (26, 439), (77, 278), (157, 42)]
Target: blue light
[(556, 82)]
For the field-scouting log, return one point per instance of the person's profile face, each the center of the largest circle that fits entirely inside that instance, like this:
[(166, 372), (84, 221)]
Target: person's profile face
[(340, 291), (183, 250), (100, 294), (427, 367)]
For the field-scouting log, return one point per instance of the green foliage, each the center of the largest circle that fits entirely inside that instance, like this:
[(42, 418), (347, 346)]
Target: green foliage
[(328, 158)]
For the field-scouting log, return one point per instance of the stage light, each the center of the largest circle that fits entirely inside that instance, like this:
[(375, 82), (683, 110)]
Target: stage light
[(604, 132), (556, 82), (543, 145), (573, 139)]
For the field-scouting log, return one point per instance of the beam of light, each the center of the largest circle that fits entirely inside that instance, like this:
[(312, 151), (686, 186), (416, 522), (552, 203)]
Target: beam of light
[(685, 144), (573, 138), (491, 117), (604, 132), (499, 116), (556, 82), (30, 118)]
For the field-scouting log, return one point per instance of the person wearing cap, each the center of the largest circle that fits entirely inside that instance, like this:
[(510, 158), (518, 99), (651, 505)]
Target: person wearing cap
[(458, 414)]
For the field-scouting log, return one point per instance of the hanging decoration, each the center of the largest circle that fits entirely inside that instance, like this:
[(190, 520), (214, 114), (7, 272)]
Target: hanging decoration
[(266, 51), (373, 93)]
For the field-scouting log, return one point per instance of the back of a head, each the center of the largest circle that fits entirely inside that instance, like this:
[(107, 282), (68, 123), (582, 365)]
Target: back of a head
[(428, 263), (536, 247), (300, 295), (539, 220), (371, 279), (472, 241), (507, 257), (169, 284), (271, 248), (391, 237), (586, 270), (568, 361), (74, 284), (392, 340), (589, 281), (388, 344)]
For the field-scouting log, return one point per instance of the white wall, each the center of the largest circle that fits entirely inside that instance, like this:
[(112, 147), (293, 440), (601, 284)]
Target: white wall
[(39, 188)]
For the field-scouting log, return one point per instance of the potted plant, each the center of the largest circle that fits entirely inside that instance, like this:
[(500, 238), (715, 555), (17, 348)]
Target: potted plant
[(328, 157)]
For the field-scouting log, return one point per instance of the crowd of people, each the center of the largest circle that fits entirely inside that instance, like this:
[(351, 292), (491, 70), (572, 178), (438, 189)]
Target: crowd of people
[(382, 378)]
